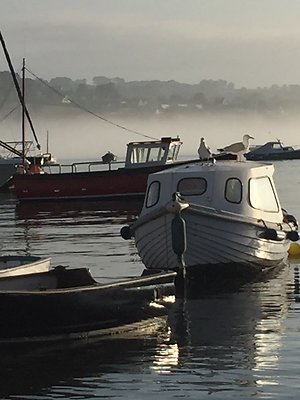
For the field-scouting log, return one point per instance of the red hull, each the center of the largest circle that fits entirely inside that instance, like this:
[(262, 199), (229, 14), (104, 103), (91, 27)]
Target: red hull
[(84, 185)]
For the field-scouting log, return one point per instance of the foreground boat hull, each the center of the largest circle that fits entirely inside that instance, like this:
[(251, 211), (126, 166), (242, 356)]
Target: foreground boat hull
[(77, 312)]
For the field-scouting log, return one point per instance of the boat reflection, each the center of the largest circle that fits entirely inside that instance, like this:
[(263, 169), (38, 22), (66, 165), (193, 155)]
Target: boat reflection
[(227, 341), (69, 366), (71, 208), (234, 330)]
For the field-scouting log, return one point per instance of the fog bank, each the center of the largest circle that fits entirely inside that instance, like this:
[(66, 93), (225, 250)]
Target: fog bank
[(82, 136)]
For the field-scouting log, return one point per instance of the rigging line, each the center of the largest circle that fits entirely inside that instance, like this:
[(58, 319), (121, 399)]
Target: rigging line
[(89, 111), (8, 114), (7, 95)]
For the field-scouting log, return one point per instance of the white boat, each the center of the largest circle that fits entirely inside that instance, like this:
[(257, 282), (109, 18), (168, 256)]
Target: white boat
[(22, 265), (213, 214)]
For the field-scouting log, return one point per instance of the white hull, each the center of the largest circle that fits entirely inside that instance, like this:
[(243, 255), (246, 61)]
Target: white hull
[(210, 240), (22, 265)]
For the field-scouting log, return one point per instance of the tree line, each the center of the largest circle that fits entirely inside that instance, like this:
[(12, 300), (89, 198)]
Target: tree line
[(116, 95)]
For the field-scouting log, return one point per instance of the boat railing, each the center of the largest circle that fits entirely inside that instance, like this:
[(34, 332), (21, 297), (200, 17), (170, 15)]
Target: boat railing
[(81, 166)]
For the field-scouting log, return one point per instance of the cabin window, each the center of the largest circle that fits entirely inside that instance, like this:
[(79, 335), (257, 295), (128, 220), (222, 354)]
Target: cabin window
[(153, 194), (138, 155), (177, 148), (171, 153), (192, 186), (155, 154), (276, 146), (233, 190), (262, 195)]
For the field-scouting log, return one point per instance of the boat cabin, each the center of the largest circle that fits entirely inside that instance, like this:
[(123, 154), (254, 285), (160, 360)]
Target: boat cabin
[(151, 153), (239, 188)]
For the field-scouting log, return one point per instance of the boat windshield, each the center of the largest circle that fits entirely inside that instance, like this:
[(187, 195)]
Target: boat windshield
[(173, 152), (145, 155), (262, 195), (158, 152)]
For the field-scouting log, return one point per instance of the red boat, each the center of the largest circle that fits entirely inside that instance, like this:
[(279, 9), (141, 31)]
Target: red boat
[(90, 180), (100, 179)]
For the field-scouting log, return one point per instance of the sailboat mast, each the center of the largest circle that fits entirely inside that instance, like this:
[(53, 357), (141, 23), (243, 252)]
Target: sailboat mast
[(18, 88), (23, 111)]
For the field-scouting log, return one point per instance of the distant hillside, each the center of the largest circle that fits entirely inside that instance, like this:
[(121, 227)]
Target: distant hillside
[(111, 95)]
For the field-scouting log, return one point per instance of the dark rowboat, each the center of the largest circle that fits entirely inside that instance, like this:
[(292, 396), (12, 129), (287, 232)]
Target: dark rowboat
[(69, 304)]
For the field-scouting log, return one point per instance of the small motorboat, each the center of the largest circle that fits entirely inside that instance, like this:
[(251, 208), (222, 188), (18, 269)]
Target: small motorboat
[(214, 217), (273, 151), (69, 304), (22, 265)]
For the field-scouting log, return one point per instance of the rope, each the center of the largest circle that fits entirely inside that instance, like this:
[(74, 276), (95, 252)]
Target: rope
[(8, 114), (89, 111)]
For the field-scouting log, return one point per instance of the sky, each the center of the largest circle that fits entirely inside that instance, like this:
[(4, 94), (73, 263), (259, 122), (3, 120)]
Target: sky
[(252, 43)]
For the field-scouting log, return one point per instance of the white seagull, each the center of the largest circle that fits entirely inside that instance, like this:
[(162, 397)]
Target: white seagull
[(204, 151), (239, 148)]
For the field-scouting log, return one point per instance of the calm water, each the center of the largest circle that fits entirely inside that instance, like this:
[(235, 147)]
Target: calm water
[(242, 343)]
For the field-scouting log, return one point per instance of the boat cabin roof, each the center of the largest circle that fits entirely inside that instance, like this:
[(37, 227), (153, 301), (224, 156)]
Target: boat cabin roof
[(150, 153), (245, 188)]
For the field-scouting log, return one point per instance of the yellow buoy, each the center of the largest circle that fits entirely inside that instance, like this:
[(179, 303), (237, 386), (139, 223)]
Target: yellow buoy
[(294, 250)]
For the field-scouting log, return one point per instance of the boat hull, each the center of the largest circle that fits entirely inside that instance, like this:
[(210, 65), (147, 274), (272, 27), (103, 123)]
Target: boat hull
[(22, 265), (210, 240), (122, 182), (275, 156), (78, 311)]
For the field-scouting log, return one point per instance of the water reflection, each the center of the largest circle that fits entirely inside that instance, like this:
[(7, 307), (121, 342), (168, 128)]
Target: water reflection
[(74, 208), (228, 344), (232, 342), (80, 233), (72, 367), (234, 331)]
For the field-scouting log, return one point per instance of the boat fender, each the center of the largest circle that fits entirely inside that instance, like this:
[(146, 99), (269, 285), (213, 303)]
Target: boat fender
[(294, 250), (178, 235), (289, 218), (270, 234), (293, 236), (126, 232), (35, 169)]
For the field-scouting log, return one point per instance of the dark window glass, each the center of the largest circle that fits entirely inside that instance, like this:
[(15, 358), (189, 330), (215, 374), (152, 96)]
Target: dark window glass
[(153, 194), (233, 190), (192, 186)]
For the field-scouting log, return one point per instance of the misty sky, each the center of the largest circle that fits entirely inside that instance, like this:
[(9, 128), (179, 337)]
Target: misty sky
[(249, 42)]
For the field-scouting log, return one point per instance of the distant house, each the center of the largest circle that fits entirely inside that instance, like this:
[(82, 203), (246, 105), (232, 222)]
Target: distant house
[(66, 100)]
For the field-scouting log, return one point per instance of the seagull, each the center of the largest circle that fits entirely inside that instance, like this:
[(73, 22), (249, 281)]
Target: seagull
[(204, 151), (239, 148)]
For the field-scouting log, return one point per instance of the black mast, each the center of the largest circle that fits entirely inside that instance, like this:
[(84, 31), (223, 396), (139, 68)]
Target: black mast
[(18, 89), (23, 111)]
